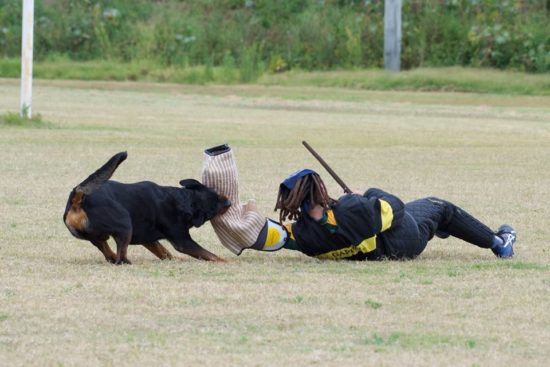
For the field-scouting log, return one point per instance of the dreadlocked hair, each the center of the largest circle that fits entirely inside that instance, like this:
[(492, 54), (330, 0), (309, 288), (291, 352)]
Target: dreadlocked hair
[(309, 187)]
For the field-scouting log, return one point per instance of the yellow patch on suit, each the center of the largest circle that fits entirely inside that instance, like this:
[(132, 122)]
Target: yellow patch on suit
[(386, 214), (288, 227), (330, 217)]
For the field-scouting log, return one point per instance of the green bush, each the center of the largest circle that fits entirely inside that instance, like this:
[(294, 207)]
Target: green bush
[(258, 35), (14, 119)]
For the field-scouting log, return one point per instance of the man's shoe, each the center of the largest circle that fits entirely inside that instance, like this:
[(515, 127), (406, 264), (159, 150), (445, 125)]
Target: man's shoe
[(508, 236)]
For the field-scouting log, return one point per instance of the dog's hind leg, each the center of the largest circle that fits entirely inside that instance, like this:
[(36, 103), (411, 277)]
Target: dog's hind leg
[(160, 251), (122, 242), (103, 246)]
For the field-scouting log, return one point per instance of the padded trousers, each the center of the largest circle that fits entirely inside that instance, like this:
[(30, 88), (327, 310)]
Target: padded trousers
[(426, 217)]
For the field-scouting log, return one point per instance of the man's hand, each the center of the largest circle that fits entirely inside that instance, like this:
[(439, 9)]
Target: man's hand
[(250, 206), (316, 212)]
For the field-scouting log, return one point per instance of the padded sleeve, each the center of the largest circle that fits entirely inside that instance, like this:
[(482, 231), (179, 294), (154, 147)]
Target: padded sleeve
[(360, 217)]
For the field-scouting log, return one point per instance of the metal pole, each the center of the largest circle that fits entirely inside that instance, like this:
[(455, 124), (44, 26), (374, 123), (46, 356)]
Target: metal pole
[(392, 35), (26, 58)]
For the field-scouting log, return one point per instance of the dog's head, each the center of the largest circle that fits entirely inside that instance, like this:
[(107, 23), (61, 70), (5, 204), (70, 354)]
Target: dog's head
[(206, 202)]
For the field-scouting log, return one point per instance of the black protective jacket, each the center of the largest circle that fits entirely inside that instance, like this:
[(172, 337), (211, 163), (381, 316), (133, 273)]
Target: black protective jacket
[(367, 227)]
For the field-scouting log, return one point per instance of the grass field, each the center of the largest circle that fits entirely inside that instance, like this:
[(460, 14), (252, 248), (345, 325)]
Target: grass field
[(61, 304), (447, 79)]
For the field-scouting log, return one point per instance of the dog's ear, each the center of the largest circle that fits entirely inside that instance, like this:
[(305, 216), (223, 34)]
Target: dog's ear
[(191, 184)]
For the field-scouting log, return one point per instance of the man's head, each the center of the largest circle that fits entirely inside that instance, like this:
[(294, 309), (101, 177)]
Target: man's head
[(299, 192)]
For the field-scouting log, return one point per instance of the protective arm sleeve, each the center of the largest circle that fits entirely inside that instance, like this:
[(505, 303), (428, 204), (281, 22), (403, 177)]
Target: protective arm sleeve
[(240, 227)]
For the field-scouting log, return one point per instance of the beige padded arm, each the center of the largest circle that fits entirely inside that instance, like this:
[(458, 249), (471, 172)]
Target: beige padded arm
[(240, 226)]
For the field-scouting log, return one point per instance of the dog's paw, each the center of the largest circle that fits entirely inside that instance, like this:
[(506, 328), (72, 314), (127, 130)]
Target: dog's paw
[(123, 262)]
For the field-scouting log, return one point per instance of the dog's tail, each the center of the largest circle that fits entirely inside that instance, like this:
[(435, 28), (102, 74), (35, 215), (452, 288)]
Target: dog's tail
[(100, 176)]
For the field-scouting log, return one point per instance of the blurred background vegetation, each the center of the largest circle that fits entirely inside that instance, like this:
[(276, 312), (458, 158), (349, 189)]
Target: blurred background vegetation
[(243, 39)]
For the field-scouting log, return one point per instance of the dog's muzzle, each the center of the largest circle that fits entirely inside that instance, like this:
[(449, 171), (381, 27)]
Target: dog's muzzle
[(225, 206)]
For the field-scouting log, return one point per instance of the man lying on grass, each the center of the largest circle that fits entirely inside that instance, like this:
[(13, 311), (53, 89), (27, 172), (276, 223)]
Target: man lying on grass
[(373, 225)]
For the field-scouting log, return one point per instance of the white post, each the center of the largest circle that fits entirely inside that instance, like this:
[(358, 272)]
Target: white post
[(392, 35), (26, 58)]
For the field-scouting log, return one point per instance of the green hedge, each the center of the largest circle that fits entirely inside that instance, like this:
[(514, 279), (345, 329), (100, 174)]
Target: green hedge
[(259, 35)]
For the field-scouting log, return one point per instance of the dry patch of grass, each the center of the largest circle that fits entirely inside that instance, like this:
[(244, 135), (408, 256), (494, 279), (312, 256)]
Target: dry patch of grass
[(61, 304)]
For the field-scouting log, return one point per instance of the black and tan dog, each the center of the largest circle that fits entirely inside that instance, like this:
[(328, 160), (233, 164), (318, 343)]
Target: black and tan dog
[(140, 213)]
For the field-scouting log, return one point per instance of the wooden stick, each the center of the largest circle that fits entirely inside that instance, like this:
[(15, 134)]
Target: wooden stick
[(327, 167)]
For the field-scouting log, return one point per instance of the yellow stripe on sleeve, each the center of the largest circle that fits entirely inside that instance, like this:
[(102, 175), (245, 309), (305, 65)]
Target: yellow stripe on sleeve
[(288, 227), (365, 247), (386, 214), (368, 245), (330, 217)]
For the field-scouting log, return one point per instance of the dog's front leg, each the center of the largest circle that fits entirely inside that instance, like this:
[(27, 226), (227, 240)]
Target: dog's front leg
[(191, 248), (122, 242)]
